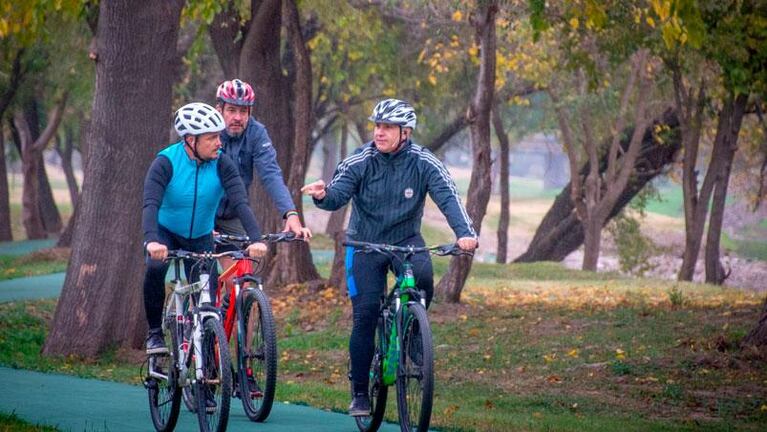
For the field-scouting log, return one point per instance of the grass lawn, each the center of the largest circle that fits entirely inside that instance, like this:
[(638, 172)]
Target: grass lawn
[(532, 347)]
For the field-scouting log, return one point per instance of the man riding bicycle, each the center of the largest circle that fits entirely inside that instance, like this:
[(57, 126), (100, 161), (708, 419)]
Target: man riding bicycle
[(247, 142), (388, 180), (182, 190)]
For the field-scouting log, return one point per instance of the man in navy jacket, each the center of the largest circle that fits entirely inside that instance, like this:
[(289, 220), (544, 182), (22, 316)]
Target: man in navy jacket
[(247, 142), (388, 180)]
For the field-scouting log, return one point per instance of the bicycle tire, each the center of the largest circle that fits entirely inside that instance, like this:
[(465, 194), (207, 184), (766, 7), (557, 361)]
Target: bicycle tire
[(216, 366), (377, 390), (415, 378), (164, 395), (257, 360)]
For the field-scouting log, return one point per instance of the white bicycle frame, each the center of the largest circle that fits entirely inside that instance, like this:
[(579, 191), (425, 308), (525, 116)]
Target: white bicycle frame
[(180, 293)]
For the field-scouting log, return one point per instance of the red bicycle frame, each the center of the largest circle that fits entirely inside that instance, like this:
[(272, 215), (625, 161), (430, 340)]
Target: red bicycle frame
[(226, 281)]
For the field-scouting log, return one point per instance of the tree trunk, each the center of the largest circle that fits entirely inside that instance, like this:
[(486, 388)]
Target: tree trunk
[(714, 271), (65, 239), (758, 335), (451, 284), (592, 240), (691, 112), (560, 232), (101, 303), (503, 161), (6, 234), (65, 150), (30, 165), (336, 230), (293, 263), (48, 209)]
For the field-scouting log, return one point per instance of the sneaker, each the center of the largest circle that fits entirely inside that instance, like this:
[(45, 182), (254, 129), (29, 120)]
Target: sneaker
[(155, 342), (360, 405)]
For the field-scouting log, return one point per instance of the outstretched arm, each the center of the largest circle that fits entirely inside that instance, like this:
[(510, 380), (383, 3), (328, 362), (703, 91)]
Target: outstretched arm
[(342, 187)]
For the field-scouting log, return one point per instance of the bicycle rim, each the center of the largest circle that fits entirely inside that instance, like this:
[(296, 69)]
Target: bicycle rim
[(376, 389), (258, 357), (415, 381), (215, 389)]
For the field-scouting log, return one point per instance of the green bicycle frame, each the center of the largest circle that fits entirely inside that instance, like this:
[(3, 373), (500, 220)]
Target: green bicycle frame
[(391, 360)]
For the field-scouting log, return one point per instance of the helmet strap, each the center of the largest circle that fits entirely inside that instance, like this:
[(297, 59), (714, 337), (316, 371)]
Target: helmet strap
[(402, 141), (194, 149)]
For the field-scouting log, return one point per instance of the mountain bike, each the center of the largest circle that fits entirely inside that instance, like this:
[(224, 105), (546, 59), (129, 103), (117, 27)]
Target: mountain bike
[(197, 361), (403, 354), (249, 316)]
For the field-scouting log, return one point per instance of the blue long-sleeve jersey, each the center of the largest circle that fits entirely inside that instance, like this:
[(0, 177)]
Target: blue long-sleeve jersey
[(182, 195), (254, 154), (388, 193)]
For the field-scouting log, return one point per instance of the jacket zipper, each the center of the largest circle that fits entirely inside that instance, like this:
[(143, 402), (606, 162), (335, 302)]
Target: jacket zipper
[(194, 202)]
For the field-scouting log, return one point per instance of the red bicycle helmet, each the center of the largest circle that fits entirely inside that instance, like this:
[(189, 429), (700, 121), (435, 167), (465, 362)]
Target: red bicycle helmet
[(236, 92)]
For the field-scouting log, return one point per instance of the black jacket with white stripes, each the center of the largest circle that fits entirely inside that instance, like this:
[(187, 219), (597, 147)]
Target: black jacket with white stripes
[(389, 190)]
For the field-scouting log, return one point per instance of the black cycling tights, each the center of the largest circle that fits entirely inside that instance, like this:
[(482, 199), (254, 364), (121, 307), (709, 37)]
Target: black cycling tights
[(366, 281)]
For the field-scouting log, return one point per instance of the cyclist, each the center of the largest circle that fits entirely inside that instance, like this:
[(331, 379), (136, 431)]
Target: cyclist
[(247, 142), (182, 189), (388, 180)]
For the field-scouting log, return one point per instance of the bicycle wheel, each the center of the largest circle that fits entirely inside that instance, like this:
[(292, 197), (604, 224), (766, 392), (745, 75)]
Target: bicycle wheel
[(214, 390), (415, 378), (376, 388), (257, 357), (164, 394)]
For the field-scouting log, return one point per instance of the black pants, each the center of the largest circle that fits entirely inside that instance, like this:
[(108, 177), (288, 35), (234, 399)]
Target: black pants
[(154, 278), (366, 280)]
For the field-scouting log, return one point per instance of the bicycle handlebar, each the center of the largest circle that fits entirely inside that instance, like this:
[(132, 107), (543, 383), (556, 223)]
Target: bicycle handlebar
[(285, 236), (439, 250), (238, 254)]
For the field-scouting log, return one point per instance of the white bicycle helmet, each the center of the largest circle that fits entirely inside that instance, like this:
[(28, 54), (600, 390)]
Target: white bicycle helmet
[(198, 118), (394, 111)]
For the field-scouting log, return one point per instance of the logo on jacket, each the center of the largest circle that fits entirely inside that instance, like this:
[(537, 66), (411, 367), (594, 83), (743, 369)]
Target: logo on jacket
[(409, 193)]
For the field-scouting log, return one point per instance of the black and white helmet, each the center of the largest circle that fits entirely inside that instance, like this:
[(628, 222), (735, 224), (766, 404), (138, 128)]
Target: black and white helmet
[(198, 118), (394, 111)]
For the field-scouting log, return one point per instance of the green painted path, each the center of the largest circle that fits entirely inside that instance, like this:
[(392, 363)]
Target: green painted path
[(24, 247), (76, 404)]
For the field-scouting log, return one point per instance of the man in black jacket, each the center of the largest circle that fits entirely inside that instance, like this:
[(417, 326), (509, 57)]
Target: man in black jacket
[(388, 180)]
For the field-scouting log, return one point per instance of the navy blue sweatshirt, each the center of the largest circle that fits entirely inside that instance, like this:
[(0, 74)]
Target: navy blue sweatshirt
[(182, 195), (389, 191)]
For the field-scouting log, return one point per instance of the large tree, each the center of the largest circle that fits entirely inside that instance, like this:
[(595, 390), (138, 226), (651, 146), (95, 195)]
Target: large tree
[(561, 231), (101, 302), (452, 283), (249, 46)]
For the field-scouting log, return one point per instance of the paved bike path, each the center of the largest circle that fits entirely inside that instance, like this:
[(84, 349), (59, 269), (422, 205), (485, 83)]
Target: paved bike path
[(76, 404)]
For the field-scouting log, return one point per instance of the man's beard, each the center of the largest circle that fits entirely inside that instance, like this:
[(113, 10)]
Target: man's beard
[(237, 134)]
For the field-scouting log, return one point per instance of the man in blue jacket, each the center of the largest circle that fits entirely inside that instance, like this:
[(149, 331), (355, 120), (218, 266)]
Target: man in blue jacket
[(182, 190), (388, 180), (247, 142)]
